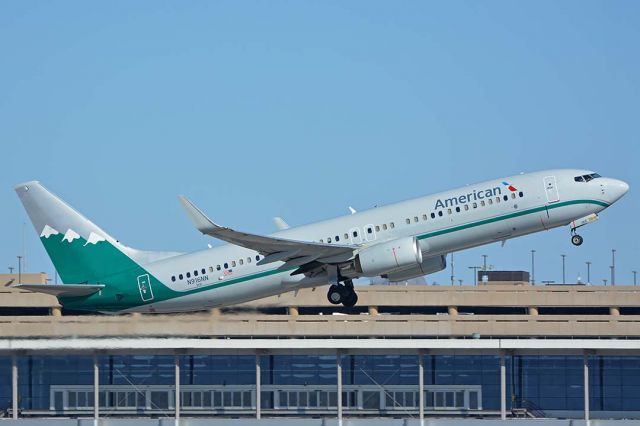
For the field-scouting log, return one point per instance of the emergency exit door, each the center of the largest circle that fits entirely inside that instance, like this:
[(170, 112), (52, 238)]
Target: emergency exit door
[(551, 189)]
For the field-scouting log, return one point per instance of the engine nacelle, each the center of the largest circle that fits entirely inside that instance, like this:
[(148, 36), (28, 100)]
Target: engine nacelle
[(389, 256), (428, 266)]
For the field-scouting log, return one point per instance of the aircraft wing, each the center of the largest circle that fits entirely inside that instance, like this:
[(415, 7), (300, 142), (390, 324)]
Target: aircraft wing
[(62, 290), (292, 252)]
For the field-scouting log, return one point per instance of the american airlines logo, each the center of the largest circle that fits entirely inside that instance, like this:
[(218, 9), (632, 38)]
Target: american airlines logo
[(471, 196)]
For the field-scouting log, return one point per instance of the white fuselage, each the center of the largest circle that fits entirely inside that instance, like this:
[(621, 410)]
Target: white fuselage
[(443, 223)]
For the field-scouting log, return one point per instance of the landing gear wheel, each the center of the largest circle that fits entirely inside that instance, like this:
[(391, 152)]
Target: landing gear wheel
[(576, 240), (336, 294), (351, 300)]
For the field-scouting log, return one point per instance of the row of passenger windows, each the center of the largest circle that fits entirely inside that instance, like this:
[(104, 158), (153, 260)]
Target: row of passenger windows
[(466, 207), (440, 213), (226, 265)]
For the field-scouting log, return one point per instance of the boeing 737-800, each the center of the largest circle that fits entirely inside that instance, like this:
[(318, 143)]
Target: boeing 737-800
[(398, 241)]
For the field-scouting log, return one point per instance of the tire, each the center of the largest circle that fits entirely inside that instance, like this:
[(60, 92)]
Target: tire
[(350, 300), (335, 295), (576, 240)]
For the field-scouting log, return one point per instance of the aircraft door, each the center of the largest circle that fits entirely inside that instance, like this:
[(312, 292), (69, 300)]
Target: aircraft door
[(551, 189), (144, 285)]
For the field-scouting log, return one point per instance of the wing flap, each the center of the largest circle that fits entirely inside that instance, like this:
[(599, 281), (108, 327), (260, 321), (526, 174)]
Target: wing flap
[(62, 290)]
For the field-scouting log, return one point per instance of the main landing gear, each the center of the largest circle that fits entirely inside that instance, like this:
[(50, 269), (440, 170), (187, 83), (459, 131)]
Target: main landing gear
[(342, 294)]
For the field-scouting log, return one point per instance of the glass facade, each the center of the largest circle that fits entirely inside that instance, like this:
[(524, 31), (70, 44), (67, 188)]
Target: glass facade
[(305, 383)]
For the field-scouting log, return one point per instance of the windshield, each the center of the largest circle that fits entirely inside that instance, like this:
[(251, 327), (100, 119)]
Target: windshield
[(586, 178)]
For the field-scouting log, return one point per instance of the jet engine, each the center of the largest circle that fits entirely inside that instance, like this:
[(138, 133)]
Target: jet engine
[(428, 266), (389, 256)]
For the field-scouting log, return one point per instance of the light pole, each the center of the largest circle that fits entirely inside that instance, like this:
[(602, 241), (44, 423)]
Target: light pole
[(453, 277), (604, 280), (484, 262), (533, 267), (475, 273), (11, 268), (588, 272), (564, 281), (613, 266), (634, 277), (19, 269)]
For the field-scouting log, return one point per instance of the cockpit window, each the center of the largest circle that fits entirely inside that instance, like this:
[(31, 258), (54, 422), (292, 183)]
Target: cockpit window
[(586, 178)]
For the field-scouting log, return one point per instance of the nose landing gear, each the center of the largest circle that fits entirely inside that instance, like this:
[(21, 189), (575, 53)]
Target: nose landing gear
[(342, 294), (576, 240)]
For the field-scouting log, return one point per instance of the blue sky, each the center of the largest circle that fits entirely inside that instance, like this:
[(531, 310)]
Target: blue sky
[(300, 109)]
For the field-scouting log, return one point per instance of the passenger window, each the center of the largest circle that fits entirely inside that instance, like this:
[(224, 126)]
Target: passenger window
[(466, 207), (180, 276), (407, 220), (322, 240), (257, 257), (226, 266), (195, 273), (482, 203), (233, 263), (218, 267), (490, 201), (513, 195), (337, 238), (392, 225), (440, 213), (433, 215), (369, 230), (173, 278), (241, 261), (346, 236), (424, 217), (377, 228), (329, 240), (355, 233), (210, 268), (506, 197), (384, 226), (188, 274), (497, 200), (248, 260), (449, 211), (457, 209), (475, 205), (415, 218), (520, 194)]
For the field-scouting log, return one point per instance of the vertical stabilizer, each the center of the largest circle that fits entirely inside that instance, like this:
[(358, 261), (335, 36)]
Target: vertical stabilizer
[(80, 250)]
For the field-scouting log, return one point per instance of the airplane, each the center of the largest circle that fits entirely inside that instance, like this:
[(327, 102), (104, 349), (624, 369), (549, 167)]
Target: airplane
[(398, 241)]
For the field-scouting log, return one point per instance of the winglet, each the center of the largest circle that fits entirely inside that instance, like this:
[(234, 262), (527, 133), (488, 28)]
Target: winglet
[(199, 219)]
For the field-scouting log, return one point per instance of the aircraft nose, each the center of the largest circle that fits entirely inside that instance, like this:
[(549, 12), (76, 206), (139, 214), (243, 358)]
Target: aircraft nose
[(616, 189)]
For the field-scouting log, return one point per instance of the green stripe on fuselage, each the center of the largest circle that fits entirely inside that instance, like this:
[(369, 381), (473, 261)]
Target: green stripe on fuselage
[(508, 216)]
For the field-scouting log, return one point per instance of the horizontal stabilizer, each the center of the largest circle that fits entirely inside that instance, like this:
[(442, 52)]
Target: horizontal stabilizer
[(62, 290)]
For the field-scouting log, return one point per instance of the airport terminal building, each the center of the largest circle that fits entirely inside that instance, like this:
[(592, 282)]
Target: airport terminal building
[(500, 351)]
